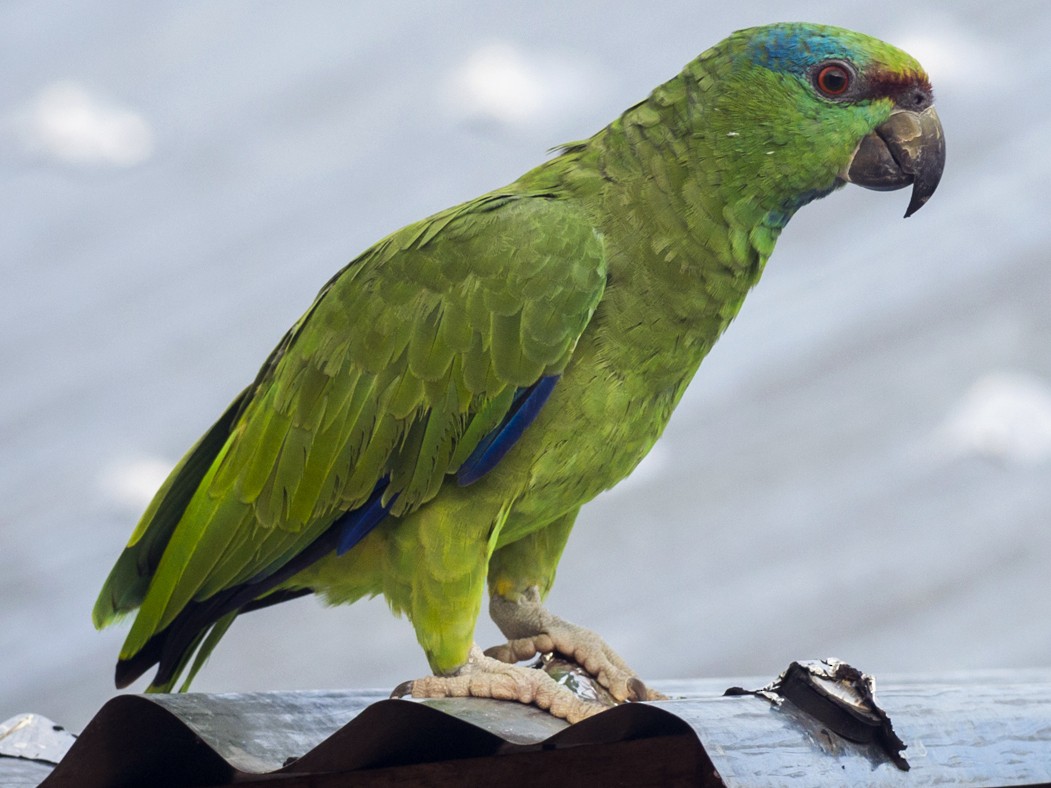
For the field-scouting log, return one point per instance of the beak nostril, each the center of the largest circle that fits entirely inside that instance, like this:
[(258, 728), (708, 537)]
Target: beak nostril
[(916, 99)]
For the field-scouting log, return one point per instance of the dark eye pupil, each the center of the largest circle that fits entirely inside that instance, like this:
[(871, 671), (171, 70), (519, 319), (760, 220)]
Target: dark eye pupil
[(833, 80)]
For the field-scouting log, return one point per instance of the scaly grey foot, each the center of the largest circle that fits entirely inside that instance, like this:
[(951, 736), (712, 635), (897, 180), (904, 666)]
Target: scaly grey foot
[(531, 629), (484, 677)]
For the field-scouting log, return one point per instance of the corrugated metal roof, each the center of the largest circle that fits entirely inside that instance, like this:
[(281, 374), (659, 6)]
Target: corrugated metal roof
[(988, 729)]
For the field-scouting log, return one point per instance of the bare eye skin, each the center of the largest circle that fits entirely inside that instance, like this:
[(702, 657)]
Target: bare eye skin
[(833, 79)]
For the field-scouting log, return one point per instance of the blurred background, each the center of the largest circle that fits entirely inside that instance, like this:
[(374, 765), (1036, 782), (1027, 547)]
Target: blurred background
[(861, 469)]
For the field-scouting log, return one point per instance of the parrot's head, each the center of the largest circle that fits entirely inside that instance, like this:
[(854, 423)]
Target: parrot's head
[(796, 110)]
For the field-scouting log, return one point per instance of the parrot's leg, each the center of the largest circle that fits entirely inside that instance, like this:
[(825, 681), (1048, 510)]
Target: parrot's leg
[(443, 596), (485, 677), (520, 575)]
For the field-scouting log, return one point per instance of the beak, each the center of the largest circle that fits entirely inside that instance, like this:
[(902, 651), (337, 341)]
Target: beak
[(908, 148)]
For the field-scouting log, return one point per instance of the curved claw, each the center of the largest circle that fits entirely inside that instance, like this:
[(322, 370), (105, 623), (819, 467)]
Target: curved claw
[(403, 690), (639, 691)]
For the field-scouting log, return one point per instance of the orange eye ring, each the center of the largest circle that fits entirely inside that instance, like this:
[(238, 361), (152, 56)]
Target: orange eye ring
[(834, 79)]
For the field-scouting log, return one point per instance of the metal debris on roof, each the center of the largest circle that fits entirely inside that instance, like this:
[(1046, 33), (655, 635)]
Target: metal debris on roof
[(838, 695), (34, 737), (30, 746)]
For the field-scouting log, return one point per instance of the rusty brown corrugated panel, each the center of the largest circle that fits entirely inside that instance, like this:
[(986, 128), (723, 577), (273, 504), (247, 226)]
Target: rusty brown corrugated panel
[(992, 731)]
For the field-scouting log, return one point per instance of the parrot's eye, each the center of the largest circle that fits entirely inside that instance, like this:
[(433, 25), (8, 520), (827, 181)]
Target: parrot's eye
[(833, 79)]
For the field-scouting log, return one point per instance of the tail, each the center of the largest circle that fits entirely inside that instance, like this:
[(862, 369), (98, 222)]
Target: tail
[(198, 628), (200, 625), (129, 580)]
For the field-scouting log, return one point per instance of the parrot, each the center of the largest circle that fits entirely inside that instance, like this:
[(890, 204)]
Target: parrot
[(430, 428)]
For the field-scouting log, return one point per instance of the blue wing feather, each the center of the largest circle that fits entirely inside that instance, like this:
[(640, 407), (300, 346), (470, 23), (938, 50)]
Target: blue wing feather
[(491, 449), (353, 526)]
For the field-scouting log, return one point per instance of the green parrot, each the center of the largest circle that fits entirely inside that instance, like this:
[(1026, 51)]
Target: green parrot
[(434, 422)]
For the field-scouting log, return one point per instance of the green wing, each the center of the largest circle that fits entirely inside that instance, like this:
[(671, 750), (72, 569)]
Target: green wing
[(405, 361)]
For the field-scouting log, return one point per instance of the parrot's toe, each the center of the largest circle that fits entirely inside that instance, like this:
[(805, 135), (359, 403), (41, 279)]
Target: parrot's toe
[(485, 677), (532, 630), (585, 648)]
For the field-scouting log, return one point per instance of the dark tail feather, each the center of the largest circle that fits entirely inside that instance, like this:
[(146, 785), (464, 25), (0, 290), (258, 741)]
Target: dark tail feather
[(171, 648)]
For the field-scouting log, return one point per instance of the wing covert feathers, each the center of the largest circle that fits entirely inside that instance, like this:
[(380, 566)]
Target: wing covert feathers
[(405, 361)]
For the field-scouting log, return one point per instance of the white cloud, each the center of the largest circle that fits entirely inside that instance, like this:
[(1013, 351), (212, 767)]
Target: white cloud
[(501, 82), (1005, 416), (67, 122), (954, 56), (133, 482)]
